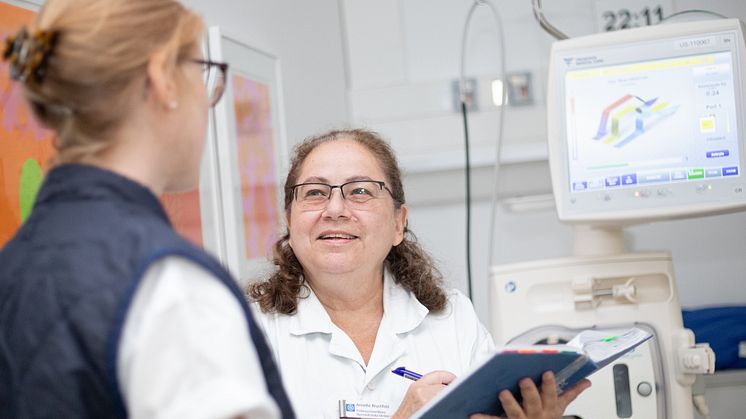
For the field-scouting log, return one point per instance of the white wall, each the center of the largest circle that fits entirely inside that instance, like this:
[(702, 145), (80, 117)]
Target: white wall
[(402, 56), (306, 37), (414, 48)]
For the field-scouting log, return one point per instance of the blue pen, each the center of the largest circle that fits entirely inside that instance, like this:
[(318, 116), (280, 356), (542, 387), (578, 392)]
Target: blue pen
[(403, 372)]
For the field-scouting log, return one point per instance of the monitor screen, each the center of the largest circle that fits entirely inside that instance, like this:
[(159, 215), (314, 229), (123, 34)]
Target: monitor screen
[(648, 124)]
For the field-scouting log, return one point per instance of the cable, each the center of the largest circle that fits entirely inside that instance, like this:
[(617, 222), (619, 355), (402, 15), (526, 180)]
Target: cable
[(468, 196), (700, 402), (544, 23), (462, 84), (684, 12), (467, 169), (698, 397)]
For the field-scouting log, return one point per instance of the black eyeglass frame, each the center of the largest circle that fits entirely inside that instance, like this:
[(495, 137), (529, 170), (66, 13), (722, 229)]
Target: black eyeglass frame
[(381, 184), (224, 73)]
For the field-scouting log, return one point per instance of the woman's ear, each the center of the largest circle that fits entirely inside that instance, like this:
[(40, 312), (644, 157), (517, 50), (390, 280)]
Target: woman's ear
[(287, 218), (401, 224), (287, 225), (162, 80)]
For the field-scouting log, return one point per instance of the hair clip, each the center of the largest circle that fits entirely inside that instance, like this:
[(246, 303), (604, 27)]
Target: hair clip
[(28, 55)]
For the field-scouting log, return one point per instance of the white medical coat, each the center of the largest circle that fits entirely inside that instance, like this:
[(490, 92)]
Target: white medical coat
[(186, 351), (320, 364)]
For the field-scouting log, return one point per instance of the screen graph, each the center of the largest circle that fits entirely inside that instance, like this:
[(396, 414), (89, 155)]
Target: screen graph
[(656, 121), (629, 117)]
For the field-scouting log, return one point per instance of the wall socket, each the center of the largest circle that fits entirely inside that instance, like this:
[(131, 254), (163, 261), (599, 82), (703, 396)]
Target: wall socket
[(469, 93), (520, 89)]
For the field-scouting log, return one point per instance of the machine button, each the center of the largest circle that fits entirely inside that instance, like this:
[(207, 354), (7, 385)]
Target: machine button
[(644, 389), (622, 391), (510, 287)]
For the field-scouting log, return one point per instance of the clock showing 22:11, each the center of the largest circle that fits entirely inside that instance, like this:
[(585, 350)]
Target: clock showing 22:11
[(614, 15)]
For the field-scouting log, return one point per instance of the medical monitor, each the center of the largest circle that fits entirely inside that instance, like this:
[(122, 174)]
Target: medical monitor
[(648, 123)]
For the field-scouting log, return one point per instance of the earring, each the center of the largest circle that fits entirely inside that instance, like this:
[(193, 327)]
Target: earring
[(173, 105)]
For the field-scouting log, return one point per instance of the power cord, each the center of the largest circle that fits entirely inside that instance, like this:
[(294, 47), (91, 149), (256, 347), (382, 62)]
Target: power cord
[(468, 194), (700, 402), (462, 84), (692, 11), (698, 398)]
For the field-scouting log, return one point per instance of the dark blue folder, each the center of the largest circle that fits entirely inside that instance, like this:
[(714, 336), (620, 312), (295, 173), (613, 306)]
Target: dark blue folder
[(477, 391)]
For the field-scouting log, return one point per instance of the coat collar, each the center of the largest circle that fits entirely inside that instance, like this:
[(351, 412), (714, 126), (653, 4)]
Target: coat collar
[(402, 312), (86, 182)]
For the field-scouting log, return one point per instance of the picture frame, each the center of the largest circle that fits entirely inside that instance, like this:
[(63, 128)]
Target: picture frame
[(251, 149)]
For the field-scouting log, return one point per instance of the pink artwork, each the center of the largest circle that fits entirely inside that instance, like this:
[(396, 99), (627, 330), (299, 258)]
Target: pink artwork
[(256, 166), (26, 151), (25, 146), (184, 212)]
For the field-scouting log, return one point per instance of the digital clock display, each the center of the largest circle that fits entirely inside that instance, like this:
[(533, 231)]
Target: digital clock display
[(625, 19), (614, 15)]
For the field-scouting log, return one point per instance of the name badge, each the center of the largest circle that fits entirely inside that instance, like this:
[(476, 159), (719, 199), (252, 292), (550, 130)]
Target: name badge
[(364, 410)]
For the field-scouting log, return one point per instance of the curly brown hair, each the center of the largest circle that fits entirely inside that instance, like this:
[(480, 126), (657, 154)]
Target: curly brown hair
[(408, 263)]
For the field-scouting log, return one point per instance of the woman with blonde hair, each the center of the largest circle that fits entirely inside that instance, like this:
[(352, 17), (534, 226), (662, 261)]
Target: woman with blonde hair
[(105, 310), (355, 296)]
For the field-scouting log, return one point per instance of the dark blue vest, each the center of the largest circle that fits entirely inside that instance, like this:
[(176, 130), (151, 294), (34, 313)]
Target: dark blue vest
[(67, 279)]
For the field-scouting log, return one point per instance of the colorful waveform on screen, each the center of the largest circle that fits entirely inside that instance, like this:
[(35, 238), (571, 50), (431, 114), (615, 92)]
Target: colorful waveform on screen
[(630, 116)]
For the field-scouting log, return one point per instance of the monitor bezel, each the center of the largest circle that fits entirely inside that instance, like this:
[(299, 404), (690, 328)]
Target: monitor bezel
[(567, 208)]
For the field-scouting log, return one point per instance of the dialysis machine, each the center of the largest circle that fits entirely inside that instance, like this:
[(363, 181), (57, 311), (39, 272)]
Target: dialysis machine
[(643, 125)]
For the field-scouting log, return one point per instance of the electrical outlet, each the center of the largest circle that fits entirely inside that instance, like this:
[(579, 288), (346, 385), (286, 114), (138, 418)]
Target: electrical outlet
[(469, 94), (520, 89)]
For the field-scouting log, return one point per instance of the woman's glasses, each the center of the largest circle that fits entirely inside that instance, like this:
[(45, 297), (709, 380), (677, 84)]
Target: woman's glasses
[(357, 193), (214, 79)]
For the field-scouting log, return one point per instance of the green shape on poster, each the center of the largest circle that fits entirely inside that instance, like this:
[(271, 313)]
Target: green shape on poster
[(31, 178)]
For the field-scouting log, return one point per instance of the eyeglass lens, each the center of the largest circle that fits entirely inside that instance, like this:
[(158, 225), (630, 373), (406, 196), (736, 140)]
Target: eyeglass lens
[(214, 80), (356, 193)]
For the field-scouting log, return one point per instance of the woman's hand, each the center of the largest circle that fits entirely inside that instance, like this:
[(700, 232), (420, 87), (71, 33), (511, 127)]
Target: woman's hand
[(421, 391), (546, 405)]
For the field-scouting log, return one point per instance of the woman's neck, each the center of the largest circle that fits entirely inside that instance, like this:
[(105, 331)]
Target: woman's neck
[(347, 292), (350, 292), (138, 151), (135, 169), (355, 305)]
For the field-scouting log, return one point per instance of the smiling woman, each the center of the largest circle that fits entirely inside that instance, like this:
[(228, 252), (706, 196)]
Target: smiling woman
[(354, 292), (356, 151), (355, 296)]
